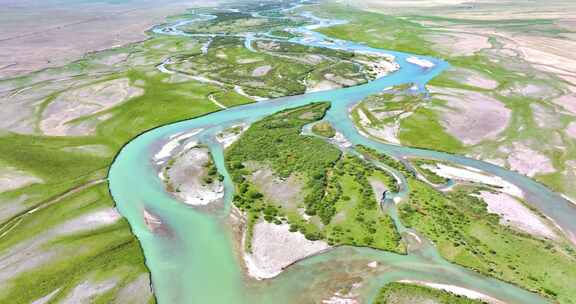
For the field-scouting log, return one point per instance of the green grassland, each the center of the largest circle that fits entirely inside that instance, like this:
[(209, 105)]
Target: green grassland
[(98, 254), (324, 129), (465, 233), (403, 293), (339, 201)]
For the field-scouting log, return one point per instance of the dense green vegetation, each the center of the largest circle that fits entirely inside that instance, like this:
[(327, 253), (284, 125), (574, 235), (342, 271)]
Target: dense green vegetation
[(403, 293), (324, 129), (339, 201)]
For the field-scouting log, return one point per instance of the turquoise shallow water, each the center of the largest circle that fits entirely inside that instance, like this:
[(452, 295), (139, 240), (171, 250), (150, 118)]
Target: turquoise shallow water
[(195, 262)]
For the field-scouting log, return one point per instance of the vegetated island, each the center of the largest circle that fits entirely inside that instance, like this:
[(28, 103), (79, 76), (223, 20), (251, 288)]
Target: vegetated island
[(303, 186)]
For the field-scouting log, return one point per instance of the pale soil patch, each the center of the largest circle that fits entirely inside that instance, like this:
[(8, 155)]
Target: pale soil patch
[(571, 130), (378, 187), (460, 44), (340, 300), (248, 60), (529, 162), (231, 135), (12, 207), (288, 193), (423, 63), (380, 66), (547, 51), (11, 178), (378, 4), (469, 293), (138, 291), (340, 80), (239, 90), (532, 90), (495, 161), (154, 223), (84, 101), (175, 141), (387, 133), (184, 178), (472, 78), (45, 299), (38, 34), (87, 291), (545, 117), (568, 102), (31, 253), (472, 117), (476, 176), (97, 150), (323, 85), (341, 141), (90, 221), (261, 71), (513, 213), (274, 248)]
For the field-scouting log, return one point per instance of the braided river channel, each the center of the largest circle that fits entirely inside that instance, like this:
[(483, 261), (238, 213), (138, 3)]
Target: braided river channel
[(197, 262)]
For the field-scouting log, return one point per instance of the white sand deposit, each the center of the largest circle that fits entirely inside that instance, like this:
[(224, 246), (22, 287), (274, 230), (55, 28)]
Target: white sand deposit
[(323, 85), (469, 293), (514, 214), (174, 142), (84, 292), (476, 176), (274, 247), (423, 63), (45, 299), (340, 300), (239, 90), (341, 141), (231, 135), (529, 162), (153, 222), (387, 133), (185, 178)]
